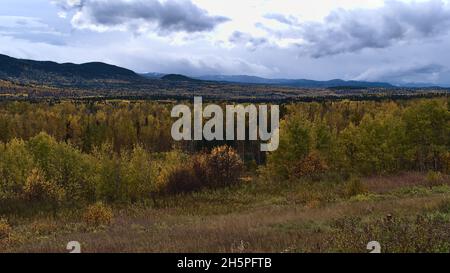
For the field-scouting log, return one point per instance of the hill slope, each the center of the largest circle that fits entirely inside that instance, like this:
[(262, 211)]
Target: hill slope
[(52, 72), (177, 77)]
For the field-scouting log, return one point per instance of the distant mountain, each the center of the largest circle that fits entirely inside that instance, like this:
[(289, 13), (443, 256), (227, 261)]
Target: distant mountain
[(422, 85), (69, 74), (152, 75), (244, 79), (51, 72), (180, 78)]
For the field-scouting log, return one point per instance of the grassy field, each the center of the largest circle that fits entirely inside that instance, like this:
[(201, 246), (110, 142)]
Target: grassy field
[(403, 212)]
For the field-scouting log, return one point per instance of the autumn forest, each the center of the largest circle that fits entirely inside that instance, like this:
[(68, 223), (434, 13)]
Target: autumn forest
[(91, 163)]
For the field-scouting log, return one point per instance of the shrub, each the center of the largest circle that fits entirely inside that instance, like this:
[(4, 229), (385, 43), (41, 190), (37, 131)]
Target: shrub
[(38, 189), (139, 175), (312, 165), (5, 230), (108, 174), (182, 180), (354, 187), (66, 166), (167, 164), (44, 227), (189, 177), (223, 167), (15, 165), (97, 215)]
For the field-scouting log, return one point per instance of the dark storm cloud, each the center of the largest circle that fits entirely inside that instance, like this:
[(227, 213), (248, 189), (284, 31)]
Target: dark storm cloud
[(68, 5), (168, 16), (406, 73), (345, 31)]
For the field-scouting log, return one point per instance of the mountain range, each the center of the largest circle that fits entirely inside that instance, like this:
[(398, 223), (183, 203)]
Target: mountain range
[(244, 79), (52, 73)]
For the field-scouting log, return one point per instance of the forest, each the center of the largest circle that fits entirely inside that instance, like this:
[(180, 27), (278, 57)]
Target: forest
[(93, 160)]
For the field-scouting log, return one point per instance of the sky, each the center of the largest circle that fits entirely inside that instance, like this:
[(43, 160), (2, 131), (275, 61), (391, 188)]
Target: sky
[(397, 41)]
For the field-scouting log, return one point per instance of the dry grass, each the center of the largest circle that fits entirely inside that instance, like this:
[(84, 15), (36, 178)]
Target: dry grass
[(245, 219), (384, 184)]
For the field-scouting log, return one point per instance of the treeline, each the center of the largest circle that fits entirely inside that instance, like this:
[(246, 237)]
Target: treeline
[(365, 138), (73, 154), (89, 125), (119, 123)]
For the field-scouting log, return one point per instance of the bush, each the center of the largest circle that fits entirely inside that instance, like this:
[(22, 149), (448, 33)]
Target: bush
[(223, 167), (182, 180), (354, 187), (312, 165), (188, 178), (66, 166), (5, 230), (97, 215), (15, 165), (138, 174), (38, 189)]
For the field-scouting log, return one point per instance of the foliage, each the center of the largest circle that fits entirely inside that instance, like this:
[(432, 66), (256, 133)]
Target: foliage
[(97, 215), (221, 168), (5, 230), (187, 177), (38, 189), (16, 164), (364, 138), (75, 154)]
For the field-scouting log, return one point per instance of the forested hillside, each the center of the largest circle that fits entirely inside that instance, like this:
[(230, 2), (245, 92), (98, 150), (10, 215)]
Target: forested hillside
[(28, 71)]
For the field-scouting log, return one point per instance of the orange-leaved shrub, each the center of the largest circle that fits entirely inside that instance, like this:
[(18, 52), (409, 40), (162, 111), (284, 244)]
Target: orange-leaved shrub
[(5, 230), (38, 189), (311, 165), (97, 215), (224, 167)]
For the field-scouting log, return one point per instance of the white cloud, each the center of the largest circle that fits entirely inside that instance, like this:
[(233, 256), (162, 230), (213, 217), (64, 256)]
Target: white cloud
[(62, 14)]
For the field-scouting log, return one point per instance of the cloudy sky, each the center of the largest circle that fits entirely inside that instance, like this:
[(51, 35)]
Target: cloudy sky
[(376, 40)]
